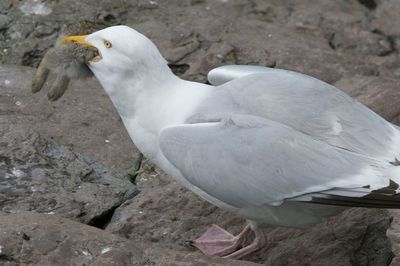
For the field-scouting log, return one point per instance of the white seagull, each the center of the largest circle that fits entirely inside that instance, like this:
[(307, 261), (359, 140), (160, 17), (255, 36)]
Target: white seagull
[(273, 146)]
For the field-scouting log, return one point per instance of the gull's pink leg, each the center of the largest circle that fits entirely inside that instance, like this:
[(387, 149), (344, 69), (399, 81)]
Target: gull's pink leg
[(258, 243), (218, 242)]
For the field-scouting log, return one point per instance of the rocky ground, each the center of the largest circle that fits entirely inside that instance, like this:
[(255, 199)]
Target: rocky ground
[(64, 166)]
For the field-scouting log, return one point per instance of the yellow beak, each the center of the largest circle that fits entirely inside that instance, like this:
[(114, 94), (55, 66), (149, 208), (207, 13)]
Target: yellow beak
[(78, 39)]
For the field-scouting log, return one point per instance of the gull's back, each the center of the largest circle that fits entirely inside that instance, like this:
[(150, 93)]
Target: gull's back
[(308, 105)]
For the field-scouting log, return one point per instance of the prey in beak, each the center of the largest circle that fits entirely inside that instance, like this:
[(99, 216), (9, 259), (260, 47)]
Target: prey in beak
[(67, 60), (80, 41)]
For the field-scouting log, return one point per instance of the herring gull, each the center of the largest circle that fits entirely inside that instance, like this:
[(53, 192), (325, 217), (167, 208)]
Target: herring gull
[(273, 146)]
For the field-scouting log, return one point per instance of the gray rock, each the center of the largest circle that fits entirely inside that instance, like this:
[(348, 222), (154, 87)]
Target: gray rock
[(391, 64), (37, 175), (22, 29), (4, 21), (380, 94), (334, 15), (4, 5), (363, 42), (39, 239), (43, 30), (386, 16), (394, 235), (83, 119)]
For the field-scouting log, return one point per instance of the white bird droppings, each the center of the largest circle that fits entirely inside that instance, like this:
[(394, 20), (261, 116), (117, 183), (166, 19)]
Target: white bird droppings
[(18, 103), (35, 7), (7, 176), (105, 250), (107, 141), (17, 173)]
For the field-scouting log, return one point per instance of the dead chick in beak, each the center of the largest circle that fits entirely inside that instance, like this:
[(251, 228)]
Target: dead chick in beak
[(65, 61)]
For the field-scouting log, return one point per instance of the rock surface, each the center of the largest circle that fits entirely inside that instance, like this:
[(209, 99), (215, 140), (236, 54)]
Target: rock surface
[(84, 119), (38, 239), (37, 175)]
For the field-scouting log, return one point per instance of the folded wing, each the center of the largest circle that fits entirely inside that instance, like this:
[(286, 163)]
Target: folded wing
[(248, 161)]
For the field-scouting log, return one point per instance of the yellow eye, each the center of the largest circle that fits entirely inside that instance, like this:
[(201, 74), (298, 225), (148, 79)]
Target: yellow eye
[(107, 44)]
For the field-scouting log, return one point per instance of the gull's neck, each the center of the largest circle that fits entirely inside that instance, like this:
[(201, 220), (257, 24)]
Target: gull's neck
[(150, 100)]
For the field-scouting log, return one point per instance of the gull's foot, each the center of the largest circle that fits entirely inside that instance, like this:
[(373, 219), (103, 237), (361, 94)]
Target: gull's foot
[(218, 242), (258, 243)]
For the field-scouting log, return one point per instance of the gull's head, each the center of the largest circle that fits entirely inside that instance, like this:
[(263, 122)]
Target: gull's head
[(121, 52)]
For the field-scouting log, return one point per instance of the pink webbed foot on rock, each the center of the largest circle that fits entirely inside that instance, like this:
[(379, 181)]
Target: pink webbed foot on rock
[(218, 242), (258, 243)]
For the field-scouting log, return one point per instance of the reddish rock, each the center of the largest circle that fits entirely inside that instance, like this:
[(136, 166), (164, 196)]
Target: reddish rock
[(38, 239)]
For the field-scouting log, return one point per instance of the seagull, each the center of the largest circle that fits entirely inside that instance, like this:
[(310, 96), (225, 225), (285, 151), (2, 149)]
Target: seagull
[(273, 146)]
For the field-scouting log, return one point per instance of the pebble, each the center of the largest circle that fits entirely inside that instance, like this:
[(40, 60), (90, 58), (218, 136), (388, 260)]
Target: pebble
[(4, 21), (105, 250), (84, 252), (43, 30)]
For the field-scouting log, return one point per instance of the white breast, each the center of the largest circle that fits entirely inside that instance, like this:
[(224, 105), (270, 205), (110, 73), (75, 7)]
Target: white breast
[(155, 111)]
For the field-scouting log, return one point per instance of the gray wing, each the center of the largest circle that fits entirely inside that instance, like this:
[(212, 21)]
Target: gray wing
[(310, 106), (223, 74), (247, 161)]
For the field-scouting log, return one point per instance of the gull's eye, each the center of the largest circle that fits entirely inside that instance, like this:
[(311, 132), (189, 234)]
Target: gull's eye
[(107, 44)]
